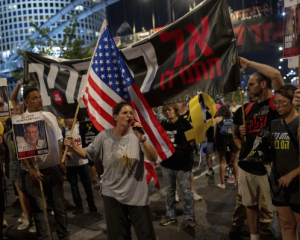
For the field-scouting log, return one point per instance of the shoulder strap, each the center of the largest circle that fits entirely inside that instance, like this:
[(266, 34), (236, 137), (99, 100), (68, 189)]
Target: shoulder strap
[(293, 139), (248, 108)]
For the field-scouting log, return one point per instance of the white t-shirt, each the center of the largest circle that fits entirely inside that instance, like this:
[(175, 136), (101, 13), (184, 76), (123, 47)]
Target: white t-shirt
[(53, 136), (76, 161), (233, 109)]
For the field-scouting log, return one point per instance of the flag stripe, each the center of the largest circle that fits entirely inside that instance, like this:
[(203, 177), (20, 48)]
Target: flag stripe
[(100, 101), (159, 131), (97, 116), (150, 134), (100, 110), (95, 122)]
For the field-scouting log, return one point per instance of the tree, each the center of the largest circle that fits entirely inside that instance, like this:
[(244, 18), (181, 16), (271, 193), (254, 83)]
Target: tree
[(68, 48)]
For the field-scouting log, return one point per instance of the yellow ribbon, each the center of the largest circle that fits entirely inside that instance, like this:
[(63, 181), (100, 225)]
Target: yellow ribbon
[(200, 127)]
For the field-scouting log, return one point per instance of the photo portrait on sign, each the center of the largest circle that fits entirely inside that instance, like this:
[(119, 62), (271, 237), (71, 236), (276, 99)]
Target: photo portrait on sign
[(30, 135), (4, 99), (291, 47)]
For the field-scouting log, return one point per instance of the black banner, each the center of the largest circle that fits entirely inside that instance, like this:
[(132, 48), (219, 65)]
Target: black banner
[(257, 34), (87, 132), (59, 80), (197, 53), (194, 54)]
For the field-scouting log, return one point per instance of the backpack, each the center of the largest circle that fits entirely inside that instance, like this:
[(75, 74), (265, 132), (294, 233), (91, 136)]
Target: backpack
[(226, 127)]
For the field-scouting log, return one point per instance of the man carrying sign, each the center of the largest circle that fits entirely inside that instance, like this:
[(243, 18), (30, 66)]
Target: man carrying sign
[(49, 174)]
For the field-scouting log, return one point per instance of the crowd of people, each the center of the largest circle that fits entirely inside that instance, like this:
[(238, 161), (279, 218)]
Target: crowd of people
[(117, 155)]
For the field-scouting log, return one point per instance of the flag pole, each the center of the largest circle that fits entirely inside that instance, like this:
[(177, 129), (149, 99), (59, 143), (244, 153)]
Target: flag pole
[(243, 112), (72, 129), (44, 201)]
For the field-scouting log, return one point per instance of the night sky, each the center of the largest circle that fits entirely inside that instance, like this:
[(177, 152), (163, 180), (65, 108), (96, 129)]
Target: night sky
[(141, 10)]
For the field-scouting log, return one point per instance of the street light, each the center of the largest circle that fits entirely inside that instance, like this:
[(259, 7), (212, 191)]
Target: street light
[(281, 60), (280, 48), (279, 67)]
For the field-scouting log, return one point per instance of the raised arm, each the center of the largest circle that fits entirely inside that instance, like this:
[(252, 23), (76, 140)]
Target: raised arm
[(69, 141), (236, 136), (266, 70), (15, 92)]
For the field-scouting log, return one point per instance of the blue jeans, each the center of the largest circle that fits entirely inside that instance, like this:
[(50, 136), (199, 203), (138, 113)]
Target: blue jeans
[(183, 179), (85, 177), (53, 188)]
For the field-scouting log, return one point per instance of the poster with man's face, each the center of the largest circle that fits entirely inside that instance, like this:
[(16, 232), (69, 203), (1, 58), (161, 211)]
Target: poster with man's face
[(4, 99), (30, 135)]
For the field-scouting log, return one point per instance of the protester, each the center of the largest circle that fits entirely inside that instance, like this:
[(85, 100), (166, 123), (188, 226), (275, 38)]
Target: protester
[(18, 110), (50, 176), (119, 159), (223, 138), (185, 113), (2, 202), (234, 106), (8, 148), (239, 215), (227, 104), (78, 166), (178, 167), (210, 149), (284, 177), (262, 111)]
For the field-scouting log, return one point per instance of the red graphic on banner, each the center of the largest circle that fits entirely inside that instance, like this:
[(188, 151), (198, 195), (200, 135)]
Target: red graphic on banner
[(57, 97)]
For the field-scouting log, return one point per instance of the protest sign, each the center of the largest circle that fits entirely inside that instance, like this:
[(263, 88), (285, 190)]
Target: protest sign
[(87, 132), (4, 99), (30, 135)]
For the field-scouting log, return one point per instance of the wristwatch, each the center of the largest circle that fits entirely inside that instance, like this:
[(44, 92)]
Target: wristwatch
[(144, 140)]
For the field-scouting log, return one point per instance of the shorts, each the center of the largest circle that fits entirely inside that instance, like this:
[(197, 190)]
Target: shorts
[(21, 180), (294, 207), (210, 148), (13, 173), (223, 142), (250, 186)]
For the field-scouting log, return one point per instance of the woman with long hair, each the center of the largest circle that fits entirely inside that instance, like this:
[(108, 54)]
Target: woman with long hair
[(223, 138), (119, 159), (284, 176)]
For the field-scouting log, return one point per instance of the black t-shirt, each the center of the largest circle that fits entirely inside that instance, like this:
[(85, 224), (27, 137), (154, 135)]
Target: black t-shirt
[(210, 130), (283, 146), (181, 159), (186, 116), (238, 115), (260, 116)]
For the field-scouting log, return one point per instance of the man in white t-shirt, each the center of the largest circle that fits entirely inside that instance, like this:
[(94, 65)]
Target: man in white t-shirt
[(50, 175), (235, 106), (78, 166)]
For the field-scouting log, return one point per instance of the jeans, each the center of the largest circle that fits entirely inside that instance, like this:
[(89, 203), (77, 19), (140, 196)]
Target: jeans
[(119, 218), (53, 186), (183, 179), (85, 177)]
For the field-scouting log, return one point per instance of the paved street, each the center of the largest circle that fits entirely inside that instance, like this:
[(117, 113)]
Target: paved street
[(213, 213)]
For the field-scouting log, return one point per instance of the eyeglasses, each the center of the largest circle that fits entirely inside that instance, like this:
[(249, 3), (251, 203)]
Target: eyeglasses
[(252, 83), (279, 103)]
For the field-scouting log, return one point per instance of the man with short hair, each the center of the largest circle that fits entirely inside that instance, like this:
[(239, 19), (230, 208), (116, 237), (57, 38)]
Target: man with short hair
[(31, 140), (50, 176), (258, 115)]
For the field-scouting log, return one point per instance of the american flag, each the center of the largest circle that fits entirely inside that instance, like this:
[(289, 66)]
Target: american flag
[(110, 82)]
